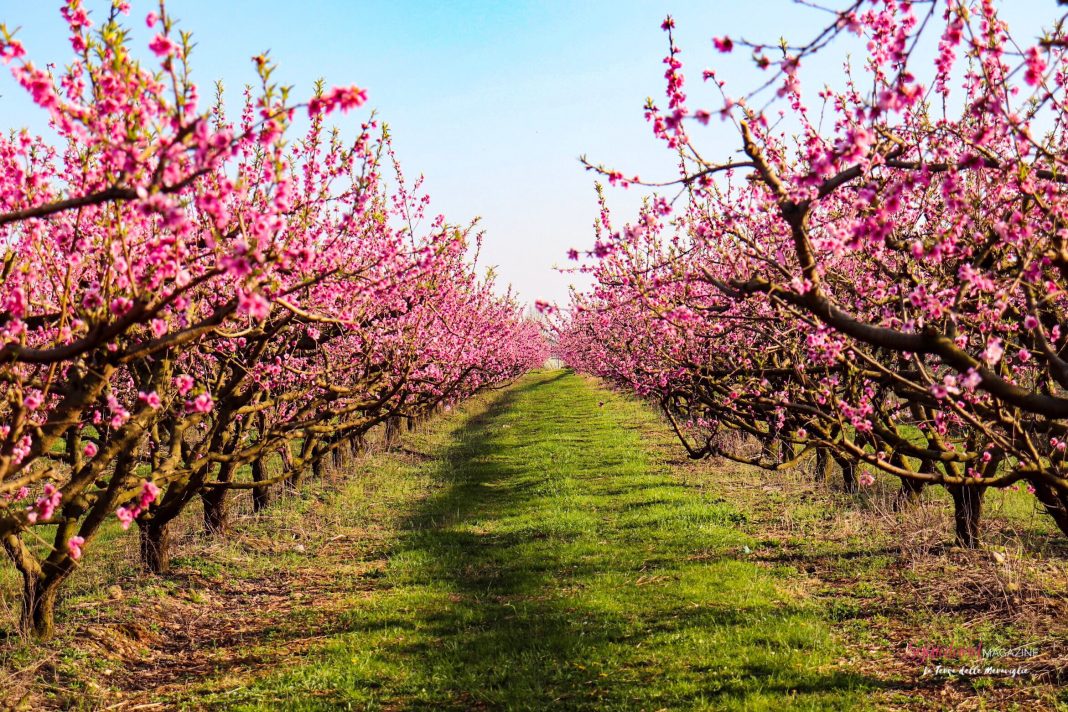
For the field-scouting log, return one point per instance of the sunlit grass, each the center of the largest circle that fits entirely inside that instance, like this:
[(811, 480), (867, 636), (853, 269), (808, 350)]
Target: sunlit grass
[(556, 565), (535, 549)]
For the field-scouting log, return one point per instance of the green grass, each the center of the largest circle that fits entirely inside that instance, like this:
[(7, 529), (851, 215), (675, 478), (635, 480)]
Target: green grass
[(535, 549), (554, 562)]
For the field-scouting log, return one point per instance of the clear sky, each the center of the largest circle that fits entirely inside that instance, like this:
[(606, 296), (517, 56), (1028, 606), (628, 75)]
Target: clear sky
[(493, 101)]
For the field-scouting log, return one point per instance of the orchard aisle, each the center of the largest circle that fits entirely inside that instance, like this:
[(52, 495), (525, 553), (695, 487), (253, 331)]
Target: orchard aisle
[(556, 564)]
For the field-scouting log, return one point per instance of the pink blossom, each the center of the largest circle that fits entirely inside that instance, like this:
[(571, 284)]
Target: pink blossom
[(126, 516), (201, 404), (92, 299), (128, 513), (151, 399), (121, 305), (947, 387), (15, 303), (1035, 64), (993, 352), (9, 50), (149, 492), (90, 449), (723, 44), (46, 504), (343, 98), (184, 384), (237, 265), (119, 414), (971, 380), (74, 547), (254, 304), (164, 46)]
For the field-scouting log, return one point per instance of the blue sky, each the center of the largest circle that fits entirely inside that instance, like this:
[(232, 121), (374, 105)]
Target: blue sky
[(492, 101)]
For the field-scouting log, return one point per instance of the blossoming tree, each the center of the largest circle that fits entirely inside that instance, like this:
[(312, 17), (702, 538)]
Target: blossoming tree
[(881, 283), (184, 295)]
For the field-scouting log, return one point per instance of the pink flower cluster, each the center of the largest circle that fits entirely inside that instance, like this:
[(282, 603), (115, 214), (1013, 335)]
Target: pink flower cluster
[(344, 98), (46, 504), (128, 513)]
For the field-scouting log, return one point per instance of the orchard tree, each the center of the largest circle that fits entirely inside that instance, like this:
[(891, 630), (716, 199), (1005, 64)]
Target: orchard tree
[(881, 280), (185, 296)]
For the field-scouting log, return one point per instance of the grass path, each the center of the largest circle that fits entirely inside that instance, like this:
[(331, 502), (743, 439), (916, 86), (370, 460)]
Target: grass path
[(556, 563), (545, 547)]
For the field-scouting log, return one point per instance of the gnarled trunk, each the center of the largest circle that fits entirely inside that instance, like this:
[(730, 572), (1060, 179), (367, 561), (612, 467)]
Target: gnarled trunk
[(771, 446), (824, 461), (908, 494), (155, 545), (1056, 503), (216, 513), (261, 496), (849, 473), (393, 430), (38, 614), (40, 588), (967, 508)]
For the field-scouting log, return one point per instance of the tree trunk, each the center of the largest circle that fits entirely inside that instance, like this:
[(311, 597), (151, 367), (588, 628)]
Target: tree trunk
[(297, 474), (40, 586), (908, 495), (967, 508), (155, 546), (261, 496), (823, 464), (787, 452), (1056, 503), (392, 431), (849, 474), (216, 514), (38, 615), (769, 451)]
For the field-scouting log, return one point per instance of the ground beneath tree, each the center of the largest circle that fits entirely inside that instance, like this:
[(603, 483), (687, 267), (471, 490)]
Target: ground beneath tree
[(538, 550)]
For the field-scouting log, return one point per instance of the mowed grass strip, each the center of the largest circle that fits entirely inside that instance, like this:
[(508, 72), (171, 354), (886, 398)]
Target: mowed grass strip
[(556, 564)]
